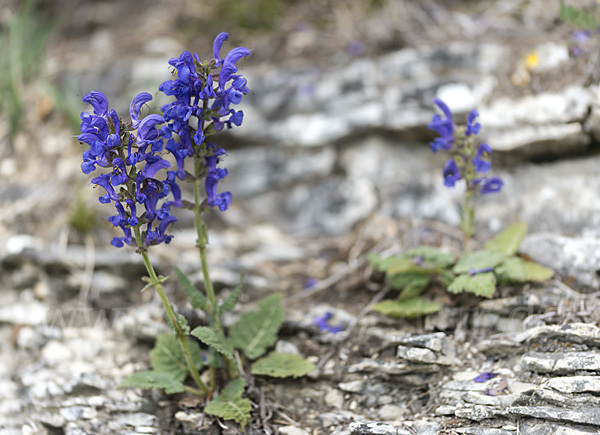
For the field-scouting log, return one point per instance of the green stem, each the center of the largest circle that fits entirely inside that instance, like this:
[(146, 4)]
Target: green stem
[(202, 235), (468, 219), (194, 391), (170, 314)]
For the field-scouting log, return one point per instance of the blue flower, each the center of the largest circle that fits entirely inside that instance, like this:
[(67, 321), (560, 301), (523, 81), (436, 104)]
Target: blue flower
[(472, 128), (443, 126), (136, 106), (491, 185), (581, 35), (482, 165), (485, 376), (222, 200), (98, 101), (104, 181), (451, 173), (323, 324)]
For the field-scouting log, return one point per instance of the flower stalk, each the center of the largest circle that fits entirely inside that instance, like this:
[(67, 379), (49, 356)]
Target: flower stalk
[(467, 162), (156, 282)]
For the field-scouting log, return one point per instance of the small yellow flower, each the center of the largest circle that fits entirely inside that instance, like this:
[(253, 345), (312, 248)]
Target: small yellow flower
[(532, 59)]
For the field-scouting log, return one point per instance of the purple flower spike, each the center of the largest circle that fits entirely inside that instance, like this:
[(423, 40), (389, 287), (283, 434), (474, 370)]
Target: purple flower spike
[(485, 376)]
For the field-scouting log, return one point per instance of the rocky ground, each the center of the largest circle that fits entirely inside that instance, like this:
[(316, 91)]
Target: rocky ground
[(331, 163)]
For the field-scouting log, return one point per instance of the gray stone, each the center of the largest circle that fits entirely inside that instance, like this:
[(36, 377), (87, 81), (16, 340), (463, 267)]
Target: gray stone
[(570, 105), (582, 333), (476, 413), (550, 56), (391, 412), (590, 415), (561, 363), (389, 368), (420, 355), (352, 386), (553, 397), (292, 430), (334, 398), (526, 303), (339, 416), (428, 428), (575, 384), (371, 428), (574, 257), (283, 346), (483, 431), (536, 427), (257, 170)]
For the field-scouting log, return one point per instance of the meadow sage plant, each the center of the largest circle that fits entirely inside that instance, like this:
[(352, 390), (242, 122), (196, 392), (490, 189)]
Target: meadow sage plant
[(469, 161), (144, 188), (478, 272)]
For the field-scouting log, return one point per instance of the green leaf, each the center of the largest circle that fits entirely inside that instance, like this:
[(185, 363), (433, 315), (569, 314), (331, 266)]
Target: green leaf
[(432, 257), (282, 365), (381, 264), (414, 287), (577, 17), (512, 270), (536, 272), (509, 240), (213, 339), (446, 277), (181, 321), (255, 331), (478, 260), (167, 356), (459, 283), (229, 303), (407, 309), (400, 281), (195, 296), (230, 405), (482, 284), (151, 379)]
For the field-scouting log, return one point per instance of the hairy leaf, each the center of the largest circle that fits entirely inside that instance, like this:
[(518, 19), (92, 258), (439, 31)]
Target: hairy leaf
[(382, 264), (536, 272), (229, 303), (152, 379), (414, 287), (255, 331), (195, 296), (167, 356), (482, 284), (512, 270), (509, 240), (407, 309), (417, 281), (577, 17), (230, 405), (282, 365), (478, 260), (213, 339), (432, 257)]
